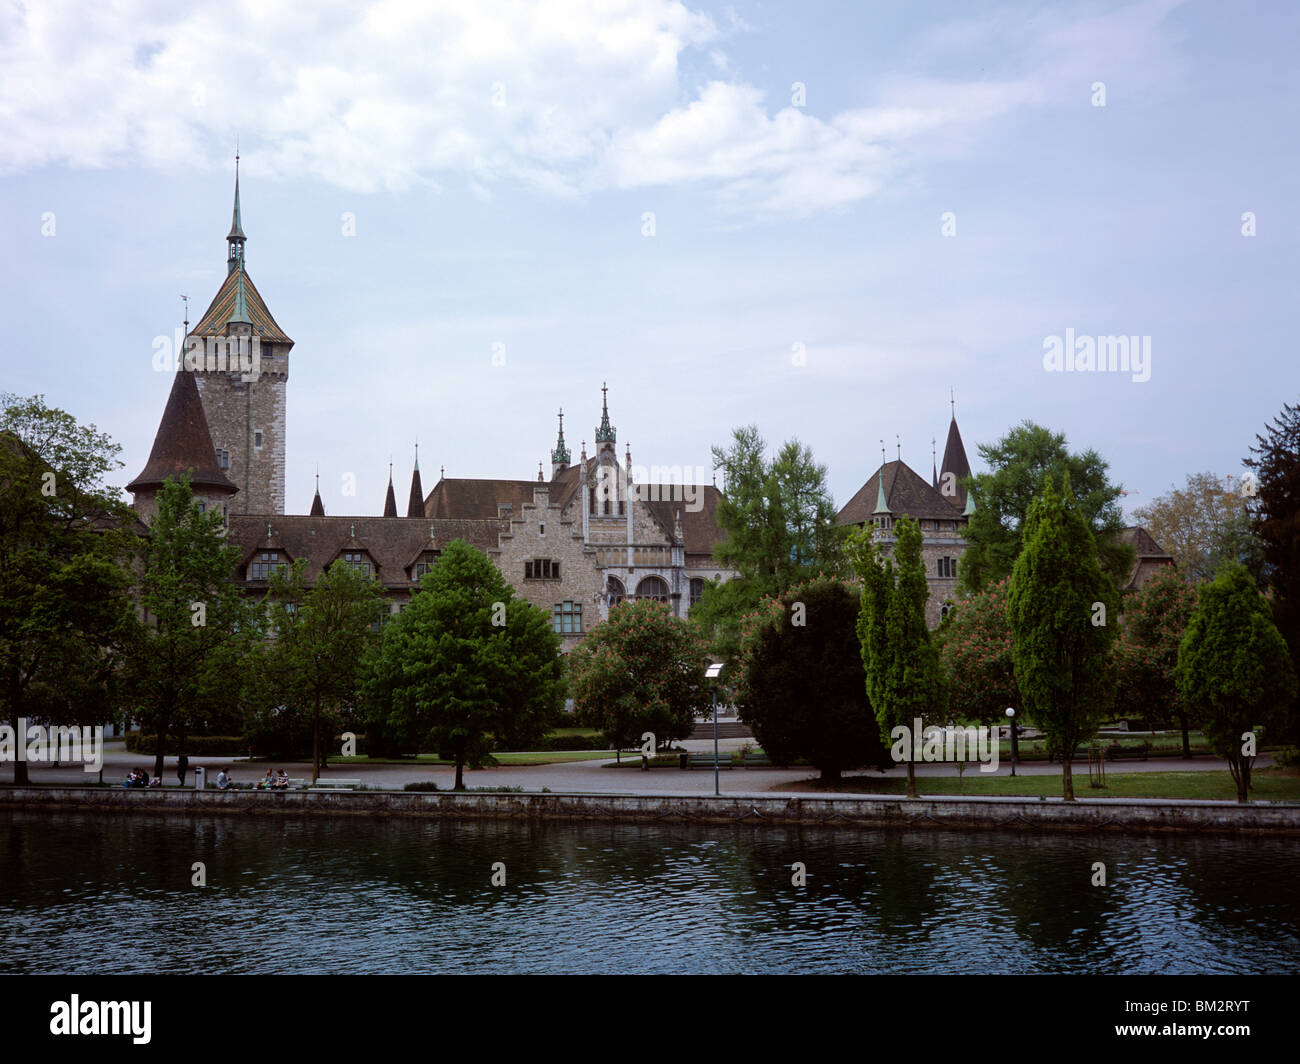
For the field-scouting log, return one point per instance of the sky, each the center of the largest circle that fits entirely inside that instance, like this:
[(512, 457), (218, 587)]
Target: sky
[(823, 219)]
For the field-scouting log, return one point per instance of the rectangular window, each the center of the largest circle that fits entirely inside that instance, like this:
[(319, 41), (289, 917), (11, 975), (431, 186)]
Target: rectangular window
[(268, 562), (358, 561), (257, 439), (568, 618), (541, 569)]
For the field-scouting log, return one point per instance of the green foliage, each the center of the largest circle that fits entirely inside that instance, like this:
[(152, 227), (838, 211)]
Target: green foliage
[(65, 610), (975, 647), (195, 745), (642, 670), (310, 673), (1146, 651), (801, 685), (1234, 671), (1062, 658), (446, 676), (199, 629), (904, 676), (1275, 510), (1021, 465), (779, 517)]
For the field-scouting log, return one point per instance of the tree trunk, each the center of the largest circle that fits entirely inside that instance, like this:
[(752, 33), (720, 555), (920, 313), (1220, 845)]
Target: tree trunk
[(1243, 781), (1067, 778), (20, 767), (1187, 741), (315, 739), (460, 773), (911, 778), (161, 752)]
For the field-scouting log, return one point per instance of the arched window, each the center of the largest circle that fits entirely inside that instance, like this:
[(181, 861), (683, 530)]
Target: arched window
[(615, 589), (652, 587)]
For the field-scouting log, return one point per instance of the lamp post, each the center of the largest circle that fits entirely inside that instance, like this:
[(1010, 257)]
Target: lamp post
[(712, 673), (1011, 714)]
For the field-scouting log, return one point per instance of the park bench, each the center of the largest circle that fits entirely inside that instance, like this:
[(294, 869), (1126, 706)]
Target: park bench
[(1113, 752), (707, 760), (756, 760), (336, 785)]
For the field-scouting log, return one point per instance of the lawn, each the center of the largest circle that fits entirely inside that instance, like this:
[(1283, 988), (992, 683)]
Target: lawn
[(1268, 784)]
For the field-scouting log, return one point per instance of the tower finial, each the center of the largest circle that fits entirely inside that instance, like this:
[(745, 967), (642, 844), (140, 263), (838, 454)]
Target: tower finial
[(605, 434), (899, 441), (235, 238), (882, 454), (417, 452), (952, 400), (561, 456)]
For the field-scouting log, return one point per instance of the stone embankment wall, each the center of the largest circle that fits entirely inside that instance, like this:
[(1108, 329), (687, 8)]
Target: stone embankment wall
[(868, 811)]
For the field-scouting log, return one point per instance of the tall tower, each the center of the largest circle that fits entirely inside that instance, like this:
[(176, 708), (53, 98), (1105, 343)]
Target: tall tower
[(240, 357)]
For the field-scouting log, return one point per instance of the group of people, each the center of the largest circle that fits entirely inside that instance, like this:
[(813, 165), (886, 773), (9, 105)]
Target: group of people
[(139, 778), (272, 781)]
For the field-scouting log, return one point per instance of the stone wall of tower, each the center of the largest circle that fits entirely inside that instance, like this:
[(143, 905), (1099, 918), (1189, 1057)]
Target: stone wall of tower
[(238, 410)]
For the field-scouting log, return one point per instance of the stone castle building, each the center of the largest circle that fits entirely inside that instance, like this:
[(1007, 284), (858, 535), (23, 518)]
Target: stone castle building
[(941, 507), (574, 544)]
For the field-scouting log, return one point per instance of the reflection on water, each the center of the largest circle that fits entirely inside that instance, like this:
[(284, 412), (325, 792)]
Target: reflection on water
[(99, 894)]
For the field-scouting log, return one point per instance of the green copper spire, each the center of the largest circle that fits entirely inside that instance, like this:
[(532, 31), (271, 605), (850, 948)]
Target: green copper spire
[(970, 504), (235, 238), (560, 456), (239, 312), (605, 434), (882, 507)]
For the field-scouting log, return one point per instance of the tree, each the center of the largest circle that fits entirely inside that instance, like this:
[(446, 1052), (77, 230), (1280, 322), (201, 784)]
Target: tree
[(975, 648), (322, 634), (642, 670), (1234, 671), (466, 660), (801, 686), (1275, 508), (1203, 525), (779, 517), (65, 611), (1020, 466), (198, 629), (1059, 608), (904, 676), (1146, 651)]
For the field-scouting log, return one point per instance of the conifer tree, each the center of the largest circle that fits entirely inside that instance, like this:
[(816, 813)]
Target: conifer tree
[(904, 675), (1061, 611)]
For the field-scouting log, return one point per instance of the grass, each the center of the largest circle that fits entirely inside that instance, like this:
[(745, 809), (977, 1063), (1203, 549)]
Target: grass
[(1274, 785)]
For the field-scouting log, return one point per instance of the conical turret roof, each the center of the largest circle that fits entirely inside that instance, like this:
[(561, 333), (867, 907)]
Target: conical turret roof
[(183, 443)]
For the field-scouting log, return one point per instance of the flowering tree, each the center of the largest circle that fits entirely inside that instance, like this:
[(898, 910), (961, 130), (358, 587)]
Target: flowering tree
[(976, 652), (642, 670)]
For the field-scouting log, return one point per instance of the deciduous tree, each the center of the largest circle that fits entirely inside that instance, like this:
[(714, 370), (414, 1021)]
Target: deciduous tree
[(1234, 672), (1203, 524), (975, 647), (642, 670)]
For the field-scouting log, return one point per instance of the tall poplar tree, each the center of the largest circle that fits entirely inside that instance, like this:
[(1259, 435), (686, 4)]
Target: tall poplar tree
[(1061, 609), (1234, 671), (904, 674)]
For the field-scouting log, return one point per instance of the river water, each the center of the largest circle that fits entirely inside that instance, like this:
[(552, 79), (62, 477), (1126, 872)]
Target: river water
[(94, 893)]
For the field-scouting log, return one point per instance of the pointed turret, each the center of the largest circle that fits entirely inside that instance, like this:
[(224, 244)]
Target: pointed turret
[(955, 463), (183, 445), (390, 500), (415, 505), (317, 507), (560, 457)]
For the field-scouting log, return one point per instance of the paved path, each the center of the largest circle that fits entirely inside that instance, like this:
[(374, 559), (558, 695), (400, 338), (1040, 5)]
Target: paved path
[(583, 776)]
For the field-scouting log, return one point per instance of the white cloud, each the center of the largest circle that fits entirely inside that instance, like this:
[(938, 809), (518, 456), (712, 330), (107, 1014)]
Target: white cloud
[(566, 97)]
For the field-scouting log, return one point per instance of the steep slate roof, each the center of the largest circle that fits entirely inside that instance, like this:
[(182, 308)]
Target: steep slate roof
[(700, 529), (476, 500), (393, 543), (954, 462), (183, 443), (906, 492), (1146, 549), (223, 306)]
